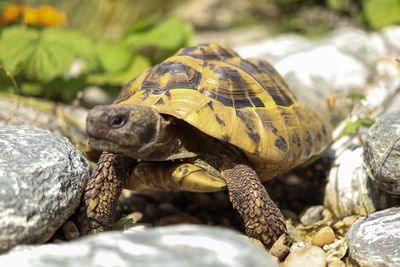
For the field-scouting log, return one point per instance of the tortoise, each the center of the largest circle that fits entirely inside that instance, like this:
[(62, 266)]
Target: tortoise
[(203, 120)]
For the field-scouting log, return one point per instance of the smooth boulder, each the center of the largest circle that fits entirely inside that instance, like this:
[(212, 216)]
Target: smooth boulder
[(178, 246), (374, 240)]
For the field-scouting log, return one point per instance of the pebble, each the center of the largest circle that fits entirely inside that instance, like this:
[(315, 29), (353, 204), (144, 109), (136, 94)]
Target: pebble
[(70, 230), (336, 263), (281, 247), (312, 215), (324, 236), (306, 256), (135, 216)]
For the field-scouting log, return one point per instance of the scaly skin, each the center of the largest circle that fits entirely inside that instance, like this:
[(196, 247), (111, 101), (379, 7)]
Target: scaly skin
[(100, 199), (262, 218)]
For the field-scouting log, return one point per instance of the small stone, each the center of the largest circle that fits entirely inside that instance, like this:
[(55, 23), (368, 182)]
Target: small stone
[(180, 218), (336, 263), (256, 242), (312, 215), (281, 247), (336, 250), (70, 230), (136, 216), (350, 220), (326, 215), (324, 236), (374, 240), (306, 257)]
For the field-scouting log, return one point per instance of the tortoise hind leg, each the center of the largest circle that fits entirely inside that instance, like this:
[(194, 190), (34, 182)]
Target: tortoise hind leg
[(100, 199), (262, 218)]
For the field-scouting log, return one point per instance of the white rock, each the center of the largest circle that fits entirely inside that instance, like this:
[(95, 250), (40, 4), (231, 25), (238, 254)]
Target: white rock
[(178, 246), (306, 257), (391, 35), (315, 74), (275, 48), (366, 47)]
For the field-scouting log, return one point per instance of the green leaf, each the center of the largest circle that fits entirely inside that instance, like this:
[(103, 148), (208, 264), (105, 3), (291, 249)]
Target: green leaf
[(123, 223), (113, 56), (144, 24), (16, 47), (43, 54), (338, 5), (354, 95), (381, 13), (172, 33), (79, 44), (353, 127), (137, 66), (31, 89)]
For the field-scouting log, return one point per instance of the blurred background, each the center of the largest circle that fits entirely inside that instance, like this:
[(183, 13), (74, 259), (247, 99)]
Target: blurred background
[(64, 50)]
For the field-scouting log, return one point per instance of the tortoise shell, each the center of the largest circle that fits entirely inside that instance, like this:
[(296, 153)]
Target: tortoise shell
[(241, 101)]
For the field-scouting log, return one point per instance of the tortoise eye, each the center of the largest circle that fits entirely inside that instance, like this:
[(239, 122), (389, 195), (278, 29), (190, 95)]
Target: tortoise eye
[(117, 121)]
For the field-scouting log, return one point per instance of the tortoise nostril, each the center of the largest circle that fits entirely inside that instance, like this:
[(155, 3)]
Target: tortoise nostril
[(117, 121)]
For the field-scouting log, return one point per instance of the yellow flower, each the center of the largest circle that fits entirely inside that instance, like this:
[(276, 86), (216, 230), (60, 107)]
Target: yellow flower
[(11, 13), (49, 16), (31, 16)]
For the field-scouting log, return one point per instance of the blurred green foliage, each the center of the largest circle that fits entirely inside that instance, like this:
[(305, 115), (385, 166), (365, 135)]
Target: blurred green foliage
[(57, 62), (316, 17), (381, 13), (107, 43)]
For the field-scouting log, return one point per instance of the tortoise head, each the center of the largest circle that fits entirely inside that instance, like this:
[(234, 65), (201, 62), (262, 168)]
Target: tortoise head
[(136, 131)]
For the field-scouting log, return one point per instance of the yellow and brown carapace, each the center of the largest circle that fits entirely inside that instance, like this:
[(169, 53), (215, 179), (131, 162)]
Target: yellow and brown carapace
[(244, 102)]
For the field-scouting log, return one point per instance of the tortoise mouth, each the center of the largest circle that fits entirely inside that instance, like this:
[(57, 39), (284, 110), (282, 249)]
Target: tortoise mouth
[(105, 144)]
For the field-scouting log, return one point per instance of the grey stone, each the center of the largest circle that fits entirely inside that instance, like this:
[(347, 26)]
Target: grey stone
[(306, 256), (382, 152), (177, 246), (374, 240), (349, 189), (42, 177), (312, 215), (394, 104)]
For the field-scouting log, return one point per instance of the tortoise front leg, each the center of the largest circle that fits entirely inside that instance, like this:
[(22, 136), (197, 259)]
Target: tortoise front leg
[(262, 218), (100, 199)]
